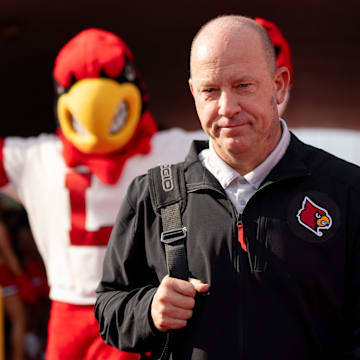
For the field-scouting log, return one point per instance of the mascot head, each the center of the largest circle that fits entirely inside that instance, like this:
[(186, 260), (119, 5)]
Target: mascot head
[(314, 217), (101, 104), (282, 51)]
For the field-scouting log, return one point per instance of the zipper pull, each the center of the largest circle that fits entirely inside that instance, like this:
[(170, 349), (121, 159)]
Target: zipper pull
[(241, 237)]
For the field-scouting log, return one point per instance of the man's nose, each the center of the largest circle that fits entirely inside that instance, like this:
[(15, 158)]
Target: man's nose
[(228, 104)]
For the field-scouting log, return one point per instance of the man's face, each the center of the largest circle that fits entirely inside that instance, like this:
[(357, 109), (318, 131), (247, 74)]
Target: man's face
[(236, 95)]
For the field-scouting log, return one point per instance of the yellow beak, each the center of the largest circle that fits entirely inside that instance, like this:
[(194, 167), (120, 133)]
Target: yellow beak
[(99, 116)]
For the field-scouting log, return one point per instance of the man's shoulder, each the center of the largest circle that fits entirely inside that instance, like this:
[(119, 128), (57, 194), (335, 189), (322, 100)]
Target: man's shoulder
[(139, 189), (322, 162), (343, 143)]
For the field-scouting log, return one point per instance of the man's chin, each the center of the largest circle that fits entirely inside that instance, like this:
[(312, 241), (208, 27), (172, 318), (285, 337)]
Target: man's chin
[(236, 146), (235, 131)]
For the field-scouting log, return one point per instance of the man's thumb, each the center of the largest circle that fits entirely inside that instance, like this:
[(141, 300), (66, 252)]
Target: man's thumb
[(199, 286)]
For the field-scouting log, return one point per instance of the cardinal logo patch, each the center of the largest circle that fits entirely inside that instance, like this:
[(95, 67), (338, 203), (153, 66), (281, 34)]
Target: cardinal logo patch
[(314, 217)]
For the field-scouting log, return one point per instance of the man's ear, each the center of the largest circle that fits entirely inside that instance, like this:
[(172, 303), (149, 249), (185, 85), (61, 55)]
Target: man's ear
[(282, 83), (191, 86)]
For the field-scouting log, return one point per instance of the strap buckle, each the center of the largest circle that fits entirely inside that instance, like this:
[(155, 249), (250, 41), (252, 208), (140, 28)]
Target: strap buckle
[(173, 235)]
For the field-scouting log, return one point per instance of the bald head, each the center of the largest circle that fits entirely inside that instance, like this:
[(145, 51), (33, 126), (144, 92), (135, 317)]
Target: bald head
[(229, 31)]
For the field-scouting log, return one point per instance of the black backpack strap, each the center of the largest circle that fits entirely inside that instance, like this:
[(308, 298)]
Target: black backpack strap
[(168, 197)]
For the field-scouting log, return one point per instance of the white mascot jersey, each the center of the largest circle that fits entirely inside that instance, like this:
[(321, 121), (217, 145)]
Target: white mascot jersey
[(55, 196)]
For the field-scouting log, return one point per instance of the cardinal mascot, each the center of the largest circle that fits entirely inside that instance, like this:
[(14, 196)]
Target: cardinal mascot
[(72, 183)]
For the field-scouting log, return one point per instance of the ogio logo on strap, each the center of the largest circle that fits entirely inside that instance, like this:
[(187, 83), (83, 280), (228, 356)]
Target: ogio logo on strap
[(167, 181)]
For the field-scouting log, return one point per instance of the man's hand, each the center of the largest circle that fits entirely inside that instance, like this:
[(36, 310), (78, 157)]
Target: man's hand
[(174, 301)]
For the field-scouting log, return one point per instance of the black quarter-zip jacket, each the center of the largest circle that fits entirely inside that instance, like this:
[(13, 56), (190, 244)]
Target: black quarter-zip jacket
[(293, 295)]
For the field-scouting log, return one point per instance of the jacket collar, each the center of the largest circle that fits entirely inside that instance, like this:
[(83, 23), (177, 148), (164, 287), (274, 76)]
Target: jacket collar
[(292, 165)]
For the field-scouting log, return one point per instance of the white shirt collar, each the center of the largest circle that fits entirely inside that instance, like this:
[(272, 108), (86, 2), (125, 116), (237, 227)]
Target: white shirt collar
[(225, 174)]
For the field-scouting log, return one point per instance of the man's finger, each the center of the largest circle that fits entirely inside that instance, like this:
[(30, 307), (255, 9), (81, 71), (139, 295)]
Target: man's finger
[(167, 295), (165, 324), (175, 312)]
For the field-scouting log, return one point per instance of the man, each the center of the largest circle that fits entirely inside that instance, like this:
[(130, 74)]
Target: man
[(272, 230)]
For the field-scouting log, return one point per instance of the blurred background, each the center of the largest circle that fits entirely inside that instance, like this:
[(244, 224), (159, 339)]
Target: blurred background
[(324, 36)]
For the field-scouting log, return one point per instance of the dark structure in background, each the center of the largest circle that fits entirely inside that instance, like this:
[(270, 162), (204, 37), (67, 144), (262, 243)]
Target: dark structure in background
[(325, 40)]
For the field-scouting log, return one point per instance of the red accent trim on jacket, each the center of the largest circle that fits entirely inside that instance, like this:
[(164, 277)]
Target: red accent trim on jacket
[(241, 237)]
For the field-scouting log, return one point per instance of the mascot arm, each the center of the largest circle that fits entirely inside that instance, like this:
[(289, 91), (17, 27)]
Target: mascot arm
[(16, 156)]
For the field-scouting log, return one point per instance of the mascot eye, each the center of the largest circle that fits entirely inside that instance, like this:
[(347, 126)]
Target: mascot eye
[(120, 118), (317, 215), (77, 126), (129, 72)]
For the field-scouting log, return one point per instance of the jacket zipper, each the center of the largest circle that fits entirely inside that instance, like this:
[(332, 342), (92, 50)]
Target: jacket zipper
[(239, 219), (240, 264)]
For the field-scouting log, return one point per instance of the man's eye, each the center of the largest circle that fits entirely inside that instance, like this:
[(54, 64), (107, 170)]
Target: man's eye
[(209, 90), (245, 88)]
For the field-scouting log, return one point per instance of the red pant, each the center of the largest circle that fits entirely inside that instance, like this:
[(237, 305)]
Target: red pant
[(73, 334)]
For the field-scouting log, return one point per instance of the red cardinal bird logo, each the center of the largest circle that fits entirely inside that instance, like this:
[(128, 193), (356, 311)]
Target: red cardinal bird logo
[(314, 217)]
